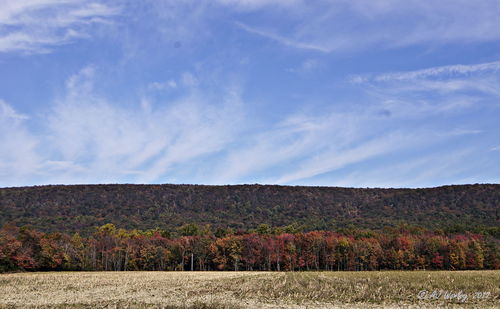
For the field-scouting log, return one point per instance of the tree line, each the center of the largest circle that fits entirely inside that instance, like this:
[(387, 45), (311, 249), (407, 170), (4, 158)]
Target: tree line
[(194, 248)]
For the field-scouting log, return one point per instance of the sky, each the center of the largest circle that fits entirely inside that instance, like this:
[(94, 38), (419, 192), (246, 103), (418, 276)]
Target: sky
[(354, 93)]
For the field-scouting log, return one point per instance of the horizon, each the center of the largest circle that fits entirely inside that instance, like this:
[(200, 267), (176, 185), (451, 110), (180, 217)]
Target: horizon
[(329, 93), (248, 184)]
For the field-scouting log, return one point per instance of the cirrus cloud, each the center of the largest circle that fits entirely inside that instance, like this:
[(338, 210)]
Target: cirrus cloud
[(36, 26)]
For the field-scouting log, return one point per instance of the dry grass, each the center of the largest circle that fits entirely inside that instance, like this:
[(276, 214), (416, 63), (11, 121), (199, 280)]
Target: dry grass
[(221, 290)]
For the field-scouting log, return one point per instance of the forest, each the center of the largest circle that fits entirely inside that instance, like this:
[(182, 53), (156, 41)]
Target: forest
[(195, 248), (248, 227), (80, 208)]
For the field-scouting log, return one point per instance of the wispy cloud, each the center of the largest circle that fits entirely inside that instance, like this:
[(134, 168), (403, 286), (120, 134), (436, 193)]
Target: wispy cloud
[(18, 154), (329, 26), (403, 96), (259, 4), (433, 90), (209, 139), (285, 40), (87, 138), (437, 168), (183, 120), (36, 26), (304, 147), (335, 158), (8, 113), (108, 140), (449, 71), (170, 84)]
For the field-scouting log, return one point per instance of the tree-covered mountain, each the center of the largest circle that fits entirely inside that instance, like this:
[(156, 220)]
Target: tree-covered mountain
[(82, 207)]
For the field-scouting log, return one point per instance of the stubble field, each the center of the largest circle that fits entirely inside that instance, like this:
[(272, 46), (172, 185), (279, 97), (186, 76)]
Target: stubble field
[(217, 290)]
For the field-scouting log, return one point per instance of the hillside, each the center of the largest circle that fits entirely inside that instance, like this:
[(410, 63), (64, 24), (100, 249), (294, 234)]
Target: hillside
[(81, 207)]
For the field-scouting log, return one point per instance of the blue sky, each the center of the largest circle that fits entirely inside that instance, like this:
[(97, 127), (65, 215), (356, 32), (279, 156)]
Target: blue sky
[(329, 92)]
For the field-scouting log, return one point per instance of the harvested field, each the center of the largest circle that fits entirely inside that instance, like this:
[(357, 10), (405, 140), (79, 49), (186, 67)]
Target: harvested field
[(217, 290)]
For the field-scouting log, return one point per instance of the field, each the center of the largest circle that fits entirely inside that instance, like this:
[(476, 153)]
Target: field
[(217, 290)]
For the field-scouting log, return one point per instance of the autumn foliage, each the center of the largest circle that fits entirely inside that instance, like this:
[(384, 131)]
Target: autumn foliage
[(79, 208), (195, 248)]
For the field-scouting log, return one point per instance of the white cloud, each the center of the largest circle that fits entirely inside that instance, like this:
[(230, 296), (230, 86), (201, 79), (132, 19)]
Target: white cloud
[(8, 113), (449, 71), (36, 26), (307, 66), (442, 89), (18, 153), (259, 4), (189, 80), (286, 40), (324, 144), (335, 158), (326, 26), (170, 84), (108, 141), (186, 80), (188, 22), (86, 138), (339, 25), (291, 139), (438, 168), (202, 137), (304, 146), (301, 148)]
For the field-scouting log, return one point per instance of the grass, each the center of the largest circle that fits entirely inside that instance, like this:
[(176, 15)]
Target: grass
[(225, 290)]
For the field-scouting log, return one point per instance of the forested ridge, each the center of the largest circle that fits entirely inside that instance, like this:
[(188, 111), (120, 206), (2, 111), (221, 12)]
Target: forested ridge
[(80, 208)]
